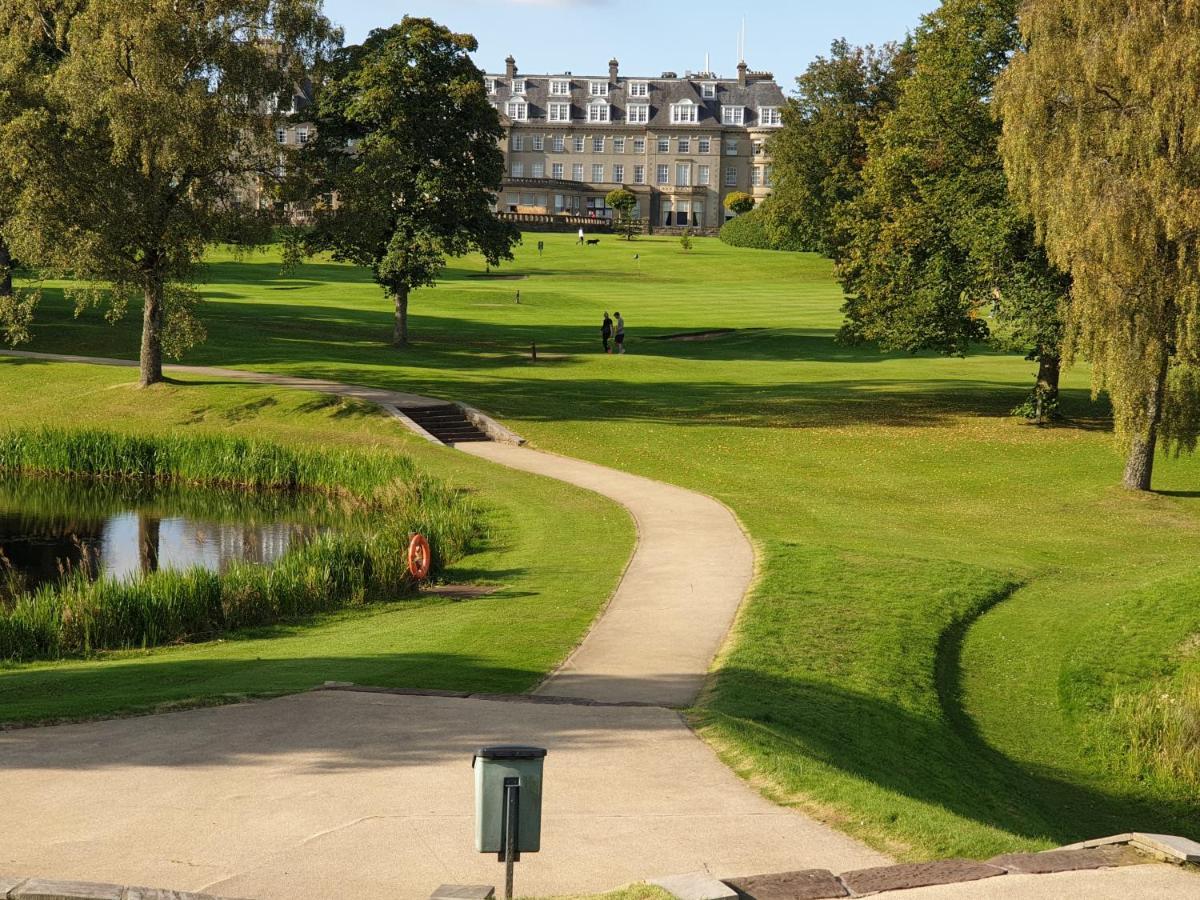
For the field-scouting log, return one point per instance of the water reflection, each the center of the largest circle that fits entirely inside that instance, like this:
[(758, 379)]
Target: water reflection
[(52, 527)]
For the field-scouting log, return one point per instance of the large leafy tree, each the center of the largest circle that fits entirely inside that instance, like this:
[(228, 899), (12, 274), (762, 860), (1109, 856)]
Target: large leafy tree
[(819, 153), (32, 42), (936, 247), (153, 124), (409, 145), (1102, 143)]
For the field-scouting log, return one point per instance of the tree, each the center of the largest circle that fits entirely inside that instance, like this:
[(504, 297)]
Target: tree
[(623, 202), (935, 247), (154, 122), (739, 202), (1101, 138), (424, 165), (685, 240), (819, 153)]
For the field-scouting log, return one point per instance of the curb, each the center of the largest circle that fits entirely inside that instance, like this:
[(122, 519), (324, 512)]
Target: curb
[(1130, 849), (45, 889)]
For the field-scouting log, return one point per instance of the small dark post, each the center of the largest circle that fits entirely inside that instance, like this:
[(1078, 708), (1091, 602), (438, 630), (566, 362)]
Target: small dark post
[(533, 351), (512, 826), (518, 298)]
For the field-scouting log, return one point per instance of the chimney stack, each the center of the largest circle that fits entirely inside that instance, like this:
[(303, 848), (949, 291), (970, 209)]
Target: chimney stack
[(742, 70), (613, 68), (510, 68)]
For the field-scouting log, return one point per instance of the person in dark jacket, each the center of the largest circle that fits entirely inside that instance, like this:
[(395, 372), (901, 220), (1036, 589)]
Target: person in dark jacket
[(606, 331), (620, 334)]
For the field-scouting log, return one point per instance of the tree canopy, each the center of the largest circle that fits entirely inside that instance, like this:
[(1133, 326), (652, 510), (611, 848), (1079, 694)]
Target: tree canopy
[(819, 153), (623, 202), (408, 142), (1102, 145), (150, 124), (935, 247), (739, 202)]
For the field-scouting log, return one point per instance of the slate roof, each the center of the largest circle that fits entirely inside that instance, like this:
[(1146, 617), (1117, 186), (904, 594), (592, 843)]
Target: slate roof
[(663, 92)]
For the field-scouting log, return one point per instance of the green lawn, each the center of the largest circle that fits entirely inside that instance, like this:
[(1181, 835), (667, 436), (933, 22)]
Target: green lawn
[(910, 663)]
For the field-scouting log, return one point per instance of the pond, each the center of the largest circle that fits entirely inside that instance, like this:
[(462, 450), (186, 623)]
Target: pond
[(51, 527)]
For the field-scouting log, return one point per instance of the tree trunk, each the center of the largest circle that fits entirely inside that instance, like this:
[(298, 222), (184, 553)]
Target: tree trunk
[(149, 539), (6, 280), (1046, 391), (400, 329), (152, 328), (1139, 466)]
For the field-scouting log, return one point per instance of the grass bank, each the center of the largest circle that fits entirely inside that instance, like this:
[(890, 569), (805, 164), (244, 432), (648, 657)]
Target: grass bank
[(548, 587), (892, 496)]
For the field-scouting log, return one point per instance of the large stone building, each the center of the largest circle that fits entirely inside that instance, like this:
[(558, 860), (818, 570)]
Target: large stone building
[(679, 144)]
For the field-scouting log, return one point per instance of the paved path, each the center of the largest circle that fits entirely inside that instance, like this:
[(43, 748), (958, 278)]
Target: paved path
[(359, 795), (667, 619), (1149, 882)]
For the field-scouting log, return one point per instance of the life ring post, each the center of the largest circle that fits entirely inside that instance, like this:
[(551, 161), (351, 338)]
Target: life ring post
[(420, 557)]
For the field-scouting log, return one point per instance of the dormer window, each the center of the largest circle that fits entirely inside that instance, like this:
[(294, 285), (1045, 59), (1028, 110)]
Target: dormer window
[(683, 113), (599, 88), (518, 86), (733, 115), (560, 88), (560, 112), (769, 115), (490, 84), (639, 89), (280, 135), (708, 90), (517, 110), (637, 113), (598, 111)]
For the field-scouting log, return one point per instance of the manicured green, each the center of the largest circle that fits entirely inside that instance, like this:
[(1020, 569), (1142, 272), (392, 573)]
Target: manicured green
[(892, 497)]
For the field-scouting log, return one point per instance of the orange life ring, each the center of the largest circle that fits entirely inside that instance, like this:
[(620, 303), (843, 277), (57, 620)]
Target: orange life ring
[(420, 558)]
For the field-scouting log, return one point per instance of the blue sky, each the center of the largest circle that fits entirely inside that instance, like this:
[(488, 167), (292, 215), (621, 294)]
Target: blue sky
[(647, 36)]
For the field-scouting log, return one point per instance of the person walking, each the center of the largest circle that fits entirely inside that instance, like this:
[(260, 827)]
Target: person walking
[(606, 331), (620, 334), (580, 235)]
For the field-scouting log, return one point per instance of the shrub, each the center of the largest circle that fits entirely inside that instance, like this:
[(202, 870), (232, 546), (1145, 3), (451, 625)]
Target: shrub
[(739, 202), (366, 564), (753, 230)]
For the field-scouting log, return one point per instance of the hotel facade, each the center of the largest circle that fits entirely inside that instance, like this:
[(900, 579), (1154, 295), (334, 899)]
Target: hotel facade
[(680, 145)]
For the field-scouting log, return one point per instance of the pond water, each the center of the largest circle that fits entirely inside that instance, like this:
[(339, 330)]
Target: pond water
[(49, 527)]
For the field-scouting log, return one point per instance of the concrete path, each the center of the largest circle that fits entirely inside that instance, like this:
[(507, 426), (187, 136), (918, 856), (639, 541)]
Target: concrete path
[(667, 619), (1149, 882), (348, 794)]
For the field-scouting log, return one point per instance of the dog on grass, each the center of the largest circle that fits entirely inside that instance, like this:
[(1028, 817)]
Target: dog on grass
[(593, 242)]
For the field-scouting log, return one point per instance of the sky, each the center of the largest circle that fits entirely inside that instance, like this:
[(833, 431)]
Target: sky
[(648, 37)]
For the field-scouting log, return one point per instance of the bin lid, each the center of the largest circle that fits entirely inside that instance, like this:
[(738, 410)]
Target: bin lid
[(510, 752)]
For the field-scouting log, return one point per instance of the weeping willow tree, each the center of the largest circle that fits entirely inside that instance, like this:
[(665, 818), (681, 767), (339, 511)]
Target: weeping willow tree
[(1101, 142)]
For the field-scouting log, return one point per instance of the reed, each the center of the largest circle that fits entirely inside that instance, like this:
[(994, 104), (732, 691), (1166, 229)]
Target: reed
[(78, 616), (1161, 731)]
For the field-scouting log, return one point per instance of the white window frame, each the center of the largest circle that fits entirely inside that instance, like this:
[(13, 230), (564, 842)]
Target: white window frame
[(559, 112), (302, 135), (684, 113), (518, 86), (664, 145), (683, 174), (731, 179), (704, 145), (598, 88), (518, 143), (577, 143), (281, 135), (577, 171), (598, 144), (755, 176), (733, 115), (685, 145), (490, 84), (560, 87), (618, 145), (770, 116), (703, 175), (597, 173), (538, 170), (639, 174), (556, 171), (662, 174), (639, 145), (639, 89), (518, 169), (599, 111), (708, 90), (539, 142), (618, 174), (637, 113), (558, 144), (517, 110), (731, 146)]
